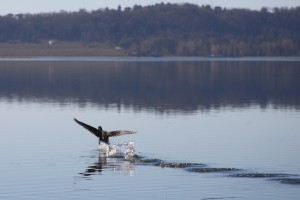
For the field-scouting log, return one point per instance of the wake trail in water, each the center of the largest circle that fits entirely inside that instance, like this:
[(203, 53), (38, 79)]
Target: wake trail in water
[(126, 152)]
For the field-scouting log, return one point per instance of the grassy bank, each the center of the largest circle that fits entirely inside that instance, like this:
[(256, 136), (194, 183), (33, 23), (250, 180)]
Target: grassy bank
[(58, 48)]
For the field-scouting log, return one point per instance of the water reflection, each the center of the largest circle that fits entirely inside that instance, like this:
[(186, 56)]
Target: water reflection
[(159, 86), (95, 168), (116, 164)]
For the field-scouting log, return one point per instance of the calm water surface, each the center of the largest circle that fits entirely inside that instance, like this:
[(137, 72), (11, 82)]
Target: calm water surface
[(206, 128)]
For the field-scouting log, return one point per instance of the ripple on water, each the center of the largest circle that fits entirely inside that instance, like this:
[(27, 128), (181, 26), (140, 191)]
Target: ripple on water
[(259, 175), (291, 181), (212, 170), (163, 164), (179, 165), (143, 161), (282, 178)]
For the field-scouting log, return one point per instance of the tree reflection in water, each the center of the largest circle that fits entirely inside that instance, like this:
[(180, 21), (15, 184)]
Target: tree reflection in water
[(159, 86)]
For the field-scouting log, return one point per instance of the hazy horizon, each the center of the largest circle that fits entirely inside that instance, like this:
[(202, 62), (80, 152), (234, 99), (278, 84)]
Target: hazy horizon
[(32, 6)]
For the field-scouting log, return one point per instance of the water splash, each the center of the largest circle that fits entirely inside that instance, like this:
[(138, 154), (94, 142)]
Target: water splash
[(124, 149)]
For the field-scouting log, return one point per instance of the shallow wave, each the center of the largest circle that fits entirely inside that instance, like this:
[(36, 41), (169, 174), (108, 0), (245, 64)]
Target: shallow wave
[(292, 181), (163, 164), (260, 175), (282, 178), (212, 169)]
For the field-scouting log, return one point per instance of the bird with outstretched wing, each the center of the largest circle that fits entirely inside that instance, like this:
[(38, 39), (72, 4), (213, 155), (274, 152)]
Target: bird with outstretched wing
[(101, 134)]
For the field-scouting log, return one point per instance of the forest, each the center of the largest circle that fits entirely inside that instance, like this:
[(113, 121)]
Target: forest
[(165, 30)]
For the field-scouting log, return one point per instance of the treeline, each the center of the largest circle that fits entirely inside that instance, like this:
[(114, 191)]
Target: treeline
[(166, 29)]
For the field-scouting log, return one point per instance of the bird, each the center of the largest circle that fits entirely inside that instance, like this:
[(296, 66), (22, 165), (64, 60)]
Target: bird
[(101, 134)]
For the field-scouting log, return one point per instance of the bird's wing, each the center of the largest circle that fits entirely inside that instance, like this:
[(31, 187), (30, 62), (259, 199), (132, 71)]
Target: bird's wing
[(119, 132), (93, 130)]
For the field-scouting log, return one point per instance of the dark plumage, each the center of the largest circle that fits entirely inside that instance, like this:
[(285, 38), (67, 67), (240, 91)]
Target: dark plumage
[(101, 134)]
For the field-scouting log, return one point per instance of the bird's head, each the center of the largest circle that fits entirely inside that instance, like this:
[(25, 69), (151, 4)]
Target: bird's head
[(99, 128)]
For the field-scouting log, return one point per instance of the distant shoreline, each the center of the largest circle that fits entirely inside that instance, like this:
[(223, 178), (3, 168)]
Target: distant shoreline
[(145, 59), (58, 49), (91, 51)]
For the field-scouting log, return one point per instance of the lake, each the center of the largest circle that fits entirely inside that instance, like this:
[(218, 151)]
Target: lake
[(207, 128)]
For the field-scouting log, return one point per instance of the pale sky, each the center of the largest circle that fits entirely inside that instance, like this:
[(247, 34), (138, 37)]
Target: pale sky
[(37, 6)]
